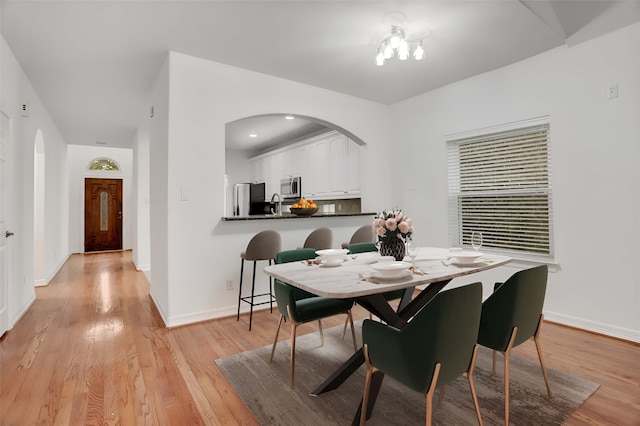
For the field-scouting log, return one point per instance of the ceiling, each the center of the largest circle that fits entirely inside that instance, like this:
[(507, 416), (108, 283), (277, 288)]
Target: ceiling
[(92, 63)]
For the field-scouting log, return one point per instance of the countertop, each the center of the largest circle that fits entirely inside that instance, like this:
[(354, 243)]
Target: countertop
[(293, 216)]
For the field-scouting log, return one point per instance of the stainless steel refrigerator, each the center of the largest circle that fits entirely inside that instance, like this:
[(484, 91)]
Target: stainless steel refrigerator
[(248, 199)]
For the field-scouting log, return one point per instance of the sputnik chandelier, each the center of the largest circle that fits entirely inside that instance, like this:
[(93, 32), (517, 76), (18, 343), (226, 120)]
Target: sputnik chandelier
[(396, 44)]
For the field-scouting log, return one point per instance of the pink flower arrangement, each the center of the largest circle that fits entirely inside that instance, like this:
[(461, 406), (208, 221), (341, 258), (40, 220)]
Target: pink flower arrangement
[(392, 224)]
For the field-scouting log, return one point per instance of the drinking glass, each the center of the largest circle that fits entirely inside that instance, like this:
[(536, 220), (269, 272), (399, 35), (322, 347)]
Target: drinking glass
[(476, 240), (412, 252)]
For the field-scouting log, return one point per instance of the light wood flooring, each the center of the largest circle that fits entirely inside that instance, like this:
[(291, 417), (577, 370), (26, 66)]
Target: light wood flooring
[(92, 349)]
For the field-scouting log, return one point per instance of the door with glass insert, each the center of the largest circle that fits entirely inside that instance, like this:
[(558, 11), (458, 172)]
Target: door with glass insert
[(102, 214)]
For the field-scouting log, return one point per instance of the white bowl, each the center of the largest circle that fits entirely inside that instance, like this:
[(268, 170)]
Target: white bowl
[(466, 256), (332, 252), (332, 256), (391, 269)]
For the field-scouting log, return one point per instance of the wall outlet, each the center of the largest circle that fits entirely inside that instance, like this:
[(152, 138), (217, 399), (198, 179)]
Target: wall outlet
[(229, 284)]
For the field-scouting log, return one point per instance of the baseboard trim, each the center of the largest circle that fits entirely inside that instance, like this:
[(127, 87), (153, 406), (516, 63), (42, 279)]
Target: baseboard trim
[(23, 311), (163, 317), (212, 314), (593, 326)]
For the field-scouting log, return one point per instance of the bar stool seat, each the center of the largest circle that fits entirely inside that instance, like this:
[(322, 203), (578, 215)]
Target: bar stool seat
[(264, 245)]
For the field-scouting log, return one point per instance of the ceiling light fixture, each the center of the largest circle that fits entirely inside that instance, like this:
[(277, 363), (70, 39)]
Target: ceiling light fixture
[(289, 117), (253, 135), (397, 44)]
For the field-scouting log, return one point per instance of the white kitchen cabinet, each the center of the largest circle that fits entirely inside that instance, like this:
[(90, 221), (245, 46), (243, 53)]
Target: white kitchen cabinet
[(353, 167), (329, 166), (258, 170)]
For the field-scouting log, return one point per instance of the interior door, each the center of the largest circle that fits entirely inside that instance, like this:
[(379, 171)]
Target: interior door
[(102, 214), (5, 249)]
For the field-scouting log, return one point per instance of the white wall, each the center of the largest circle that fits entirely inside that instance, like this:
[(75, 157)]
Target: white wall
[(79, 158), (202, 250), (140, 241), (595, 148), (16, 90)]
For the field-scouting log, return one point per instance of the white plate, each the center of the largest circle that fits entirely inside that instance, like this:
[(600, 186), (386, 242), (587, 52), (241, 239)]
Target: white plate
[(332, 264), (401, 275), (475, 262), (466, 256), (391, 266)]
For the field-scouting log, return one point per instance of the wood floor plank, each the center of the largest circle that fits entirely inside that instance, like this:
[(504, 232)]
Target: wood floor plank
[(92, 349)]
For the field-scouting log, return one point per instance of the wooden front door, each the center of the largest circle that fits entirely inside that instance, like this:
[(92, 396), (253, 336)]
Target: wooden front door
[(102, 214)]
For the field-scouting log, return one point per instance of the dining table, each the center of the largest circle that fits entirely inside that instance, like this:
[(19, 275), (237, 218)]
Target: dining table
[(355, 278)]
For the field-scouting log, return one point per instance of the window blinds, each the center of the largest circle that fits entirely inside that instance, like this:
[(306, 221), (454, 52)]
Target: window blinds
[(500, 185)]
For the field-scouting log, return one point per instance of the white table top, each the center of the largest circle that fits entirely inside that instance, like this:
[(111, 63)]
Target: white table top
[(344, 281)]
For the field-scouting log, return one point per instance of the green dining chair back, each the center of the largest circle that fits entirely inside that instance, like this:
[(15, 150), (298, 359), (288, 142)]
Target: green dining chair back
[(298, 306), (434, 348), (356, 248), (511, 315)]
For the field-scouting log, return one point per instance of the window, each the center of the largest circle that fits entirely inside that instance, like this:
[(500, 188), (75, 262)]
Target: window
[(103, 164), (500, 185)]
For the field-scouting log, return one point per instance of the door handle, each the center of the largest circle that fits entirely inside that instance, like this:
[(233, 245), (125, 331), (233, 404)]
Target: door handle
[(9, 234)]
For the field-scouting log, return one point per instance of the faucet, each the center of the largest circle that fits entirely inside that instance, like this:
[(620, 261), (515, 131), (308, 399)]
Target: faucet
[(279, 210)]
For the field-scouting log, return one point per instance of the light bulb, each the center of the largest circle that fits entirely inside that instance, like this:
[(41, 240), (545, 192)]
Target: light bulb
[(418, 54), (387, 51), (403, 50), (396, 36), (380, 59)]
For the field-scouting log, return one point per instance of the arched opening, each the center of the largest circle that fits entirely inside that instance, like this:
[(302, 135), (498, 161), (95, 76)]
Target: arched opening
[(39, 210), (322, 157)]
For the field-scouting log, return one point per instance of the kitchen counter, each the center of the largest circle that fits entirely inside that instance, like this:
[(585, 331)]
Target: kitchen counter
[(293, 216)]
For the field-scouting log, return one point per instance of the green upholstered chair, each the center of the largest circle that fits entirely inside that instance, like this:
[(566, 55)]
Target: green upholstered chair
[(356, 248), (299, 306), (434, 348), (511, 316)]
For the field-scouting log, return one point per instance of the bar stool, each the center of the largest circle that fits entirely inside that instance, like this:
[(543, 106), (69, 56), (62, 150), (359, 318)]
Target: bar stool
[(264, 245), (319, 239), (364, 234)]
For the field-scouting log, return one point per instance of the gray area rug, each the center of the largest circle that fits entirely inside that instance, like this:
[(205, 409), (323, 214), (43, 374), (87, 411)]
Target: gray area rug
[(264, 388)]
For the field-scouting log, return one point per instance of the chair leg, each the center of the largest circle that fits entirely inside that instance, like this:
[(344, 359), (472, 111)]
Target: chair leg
[(344, 329), (275, 341), (240, 288), (536, 339), (292, 357), (353, 331), (472, 385), (367, 386), (507, 362), (430, 392), (253, 288), (321, 333), (270, 291)]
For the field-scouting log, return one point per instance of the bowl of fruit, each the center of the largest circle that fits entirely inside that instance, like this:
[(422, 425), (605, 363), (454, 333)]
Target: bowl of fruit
[(304, 207)]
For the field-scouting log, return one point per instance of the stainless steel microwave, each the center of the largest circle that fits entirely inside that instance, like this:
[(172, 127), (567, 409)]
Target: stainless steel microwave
[(291, 188)]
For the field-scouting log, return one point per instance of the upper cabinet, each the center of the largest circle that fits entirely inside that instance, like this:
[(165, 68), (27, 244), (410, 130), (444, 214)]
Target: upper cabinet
[(329, 166)]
